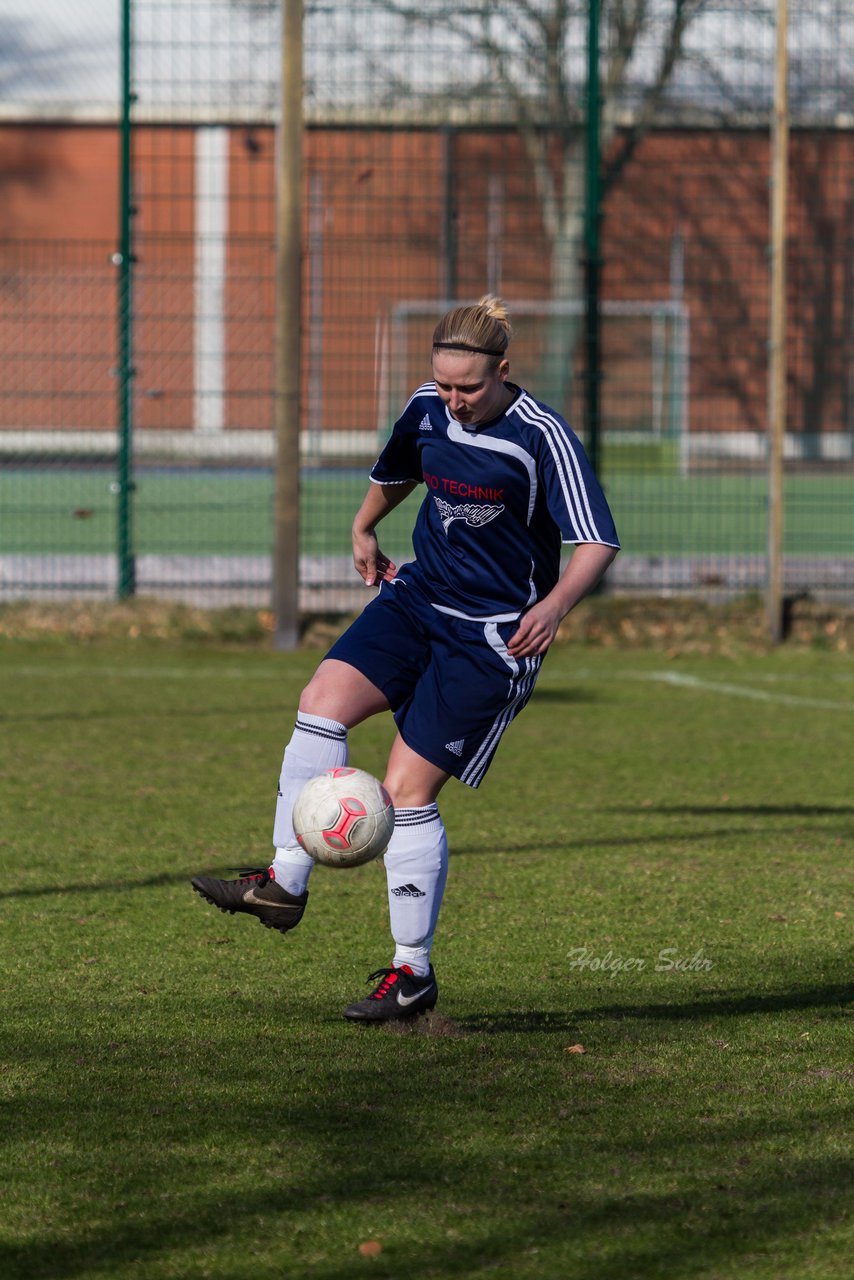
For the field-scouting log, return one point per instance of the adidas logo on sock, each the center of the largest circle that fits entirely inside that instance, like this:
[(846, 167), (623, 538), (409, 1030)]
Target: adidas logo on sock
[(425, 424), (456, 748), (408, 891)]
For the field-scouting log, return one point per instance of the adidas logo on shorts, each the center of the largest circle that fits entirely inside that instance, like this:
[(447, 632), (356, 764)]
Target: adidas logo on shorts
[(425, 424), (456, 748), (408, 891)]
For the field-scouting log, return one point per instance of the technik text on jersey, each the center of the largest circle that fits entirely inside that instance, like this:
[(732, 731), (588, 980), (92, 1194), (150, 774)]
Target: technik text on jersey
[(478, 492)]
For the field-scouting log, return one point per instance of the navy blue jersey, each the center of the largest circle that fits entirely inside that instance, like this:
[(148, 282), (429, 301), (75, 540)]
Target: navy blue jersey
[(501, 498)]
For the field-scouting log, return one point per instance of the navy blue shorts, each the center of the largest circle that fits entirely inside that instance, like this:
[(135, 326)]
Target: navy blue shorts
[(450, 682)]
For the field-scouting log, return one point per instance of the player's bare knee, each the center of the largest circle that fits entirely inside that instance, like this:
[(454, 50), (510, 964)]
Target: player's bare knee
[(313, 699), (325, 694), (407, 793)]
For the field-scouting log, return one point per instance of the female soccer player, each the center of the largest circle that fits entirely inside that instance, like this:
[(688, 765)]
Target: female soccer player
[(453, 641)]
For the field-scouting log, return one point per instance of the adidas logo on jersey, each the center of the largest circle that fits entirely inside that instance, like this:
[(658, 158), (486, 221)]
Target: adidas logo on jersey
[(456, 748), (425, 424), (408, 891)]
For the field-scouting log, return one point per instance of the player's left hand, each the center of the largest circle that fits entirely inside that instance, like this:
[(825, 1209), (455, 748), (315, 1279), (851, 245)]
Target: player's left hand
[(536, 631)]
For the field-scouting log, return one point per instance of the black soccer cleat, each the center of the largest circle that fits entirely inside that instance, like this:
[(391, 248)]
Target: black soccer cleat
[(400, 994), (256, 893)]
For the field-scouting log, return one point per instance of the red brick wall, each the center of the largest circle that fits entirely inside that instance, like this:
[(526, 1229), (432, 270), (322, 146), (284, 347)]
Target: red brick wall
[(58, 226), (376, 224)]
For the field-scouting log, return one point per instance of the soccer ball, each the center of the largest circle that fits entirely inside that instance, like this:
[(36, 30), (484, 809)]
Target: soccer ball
[(343, 817)]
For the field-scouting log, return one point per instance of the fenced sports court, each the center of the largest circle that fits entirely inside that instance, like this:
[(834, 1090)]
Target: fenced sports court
[(448, 150)]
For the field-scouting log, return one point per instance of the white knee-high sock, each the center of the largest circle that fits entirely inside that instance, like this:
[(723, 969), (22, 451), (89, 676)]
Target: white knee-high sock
[(416, 864), (316, 744)]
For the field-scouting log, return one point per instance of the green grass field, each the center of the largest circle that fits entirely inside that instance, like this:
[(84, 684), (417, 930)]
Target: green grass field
[(181, 1098), (205, 511)]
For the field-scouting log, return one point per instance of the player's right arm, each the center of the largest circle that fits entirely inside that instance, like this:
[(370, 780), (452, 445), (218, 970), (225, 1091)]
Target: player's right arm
[(396, 472), (371, 563)]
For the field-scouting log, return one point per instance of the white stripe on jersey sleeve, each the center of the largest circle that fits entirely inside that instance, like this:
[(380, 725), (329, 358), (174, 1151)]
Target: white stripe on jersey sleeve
[(568, 468), (426, 389)]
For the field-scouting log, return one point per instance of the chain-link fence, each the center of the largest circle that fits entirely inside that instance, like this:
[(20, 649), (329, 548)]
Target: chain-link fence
[(445, 151)]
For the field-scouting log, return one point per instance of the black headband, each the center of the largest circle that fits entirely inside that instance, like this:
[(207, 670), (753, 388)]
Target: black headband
[(467, 346)]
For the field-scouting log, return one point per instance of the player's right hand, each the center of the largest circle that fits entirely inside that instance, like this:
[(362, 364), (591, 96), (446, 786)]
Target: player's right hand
[(372, 564)]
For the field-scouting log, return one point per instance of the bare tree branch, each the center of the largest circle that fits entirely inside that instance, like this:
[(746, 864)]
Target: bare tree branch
[(684, 11)]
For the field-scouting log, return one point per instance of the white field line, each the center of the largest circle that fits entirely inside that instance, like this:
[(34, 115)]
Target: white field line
[(789, 677), (686, 681), (680, 679)]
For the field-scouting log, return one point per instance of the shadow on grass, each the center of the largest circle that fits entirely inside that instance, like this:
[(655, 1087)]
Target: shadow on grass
[(459, 1164), (564, 695), (761, 810), (834, 995), (682, 838), (665, 1234), (105, 886)]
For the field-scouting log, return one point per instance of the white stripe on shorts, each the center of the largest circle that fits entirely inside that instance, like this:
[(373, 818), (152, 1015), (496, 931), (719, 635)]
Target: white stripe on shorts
[(521, 687)]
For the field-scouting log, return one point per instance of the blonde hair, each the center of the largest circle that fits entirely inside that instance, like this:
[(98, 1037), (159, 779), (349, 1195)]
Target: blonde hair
[(484, 327)]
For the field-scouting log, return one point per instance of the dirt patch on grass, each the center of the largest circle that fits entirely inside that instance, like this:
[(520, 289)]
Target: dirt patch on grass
[(430, 1024)]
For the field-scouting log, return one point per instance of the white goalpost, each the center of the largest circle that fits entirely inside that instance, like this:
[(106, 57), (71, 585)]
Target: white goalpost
[(648, 346)]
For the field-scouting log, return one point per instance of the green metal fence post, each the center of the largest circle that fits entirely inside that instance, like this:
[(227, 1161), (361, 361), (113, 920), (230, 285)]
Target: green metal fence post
[(592, 252), (124, 261)]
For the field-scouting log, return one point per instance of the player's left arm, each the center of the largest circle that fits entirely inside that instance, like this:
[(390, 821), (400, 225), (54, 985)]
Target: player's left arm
[(538, 627)]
